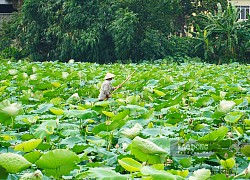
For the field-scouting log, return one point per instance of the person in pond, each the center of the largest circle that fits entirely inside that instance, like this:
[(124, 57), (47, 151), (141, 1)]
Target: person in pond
[(105, 92)]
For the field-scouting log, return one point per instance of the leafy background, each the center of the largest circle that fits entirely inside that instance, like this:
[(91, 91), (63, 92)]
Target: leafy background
[(125, 31), (170, 121)]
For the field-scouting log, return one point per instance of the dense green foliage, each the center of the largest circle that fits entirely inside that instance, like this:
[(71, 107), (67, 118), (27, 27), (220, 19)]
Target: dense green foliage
[(169, 121), (109, 30), (224, 37)]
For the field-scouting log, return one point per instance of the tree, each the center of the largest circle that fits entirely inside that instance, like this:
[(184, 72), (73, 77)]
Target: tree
[(17, 4), (224, 37), (95, 31)]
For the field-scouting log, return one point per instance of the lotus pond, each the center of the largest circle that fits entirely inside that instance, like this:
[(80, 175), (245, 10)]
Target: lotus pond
[(169, 121)]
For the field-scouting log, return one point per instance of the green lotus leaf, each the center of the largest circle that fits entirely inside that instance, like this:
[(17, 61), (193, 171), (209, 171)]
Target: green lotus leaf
[(3, 173), (58, 162), (133, 99), (186, 162), (247, 121), (109, 114), (147, 146), (132, 132), (29, 119), (56, 111), (71, 141), (130, 164), (83, 114), (56, 84), (42, 108), (213, 136), (103, 174), (158, 174), (246, 150), (102, 103), (219, 177), (120, 115), (116, 122), (245, 174), (56, 101), (28, 146), (13, 163), (33, 156), (233, 117), (149, 158)]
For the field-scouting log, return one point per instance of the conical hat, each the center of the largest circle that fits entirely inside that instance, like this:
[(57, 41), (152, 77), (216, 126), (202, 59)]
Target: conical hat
[(109, 75)]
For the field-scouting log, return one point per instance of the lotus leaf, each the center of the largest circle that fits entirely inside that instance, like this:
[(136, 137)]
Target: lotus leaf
[(134, 131), (233, 117), (105, 174), (147, 146), (130, 164), (58, 162), (13, 163), (158, 174), (216, 135), (28, 146)]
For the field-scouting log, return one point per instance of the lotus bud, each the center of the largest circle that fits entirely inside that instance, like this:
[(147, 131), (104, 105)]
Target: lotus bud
[(33, 77), (229, 134), (13, 71), (80, 74), (25, 75), (117, 146), (75, 96), (71, 61), (108, 123), (65, 75), (222, 94), (34, 69)]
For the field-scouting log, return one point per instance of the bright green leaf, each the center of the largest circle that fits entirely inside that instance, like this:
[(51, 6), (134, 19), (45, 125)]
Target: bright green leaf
[(28, 146), (130, 164), (13, 163)]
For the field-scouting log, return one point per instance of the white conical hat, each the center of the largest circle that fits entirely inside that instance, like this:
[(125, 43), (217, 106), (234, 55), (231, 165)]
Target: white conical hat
[(109, 75)]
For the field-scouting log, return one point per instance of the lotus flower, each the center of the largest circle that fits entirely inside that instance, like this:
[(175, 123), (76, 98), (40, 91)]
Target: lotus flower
[(65, 75), (200, 174), (225, 106), (34, 69), (12, 109)]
